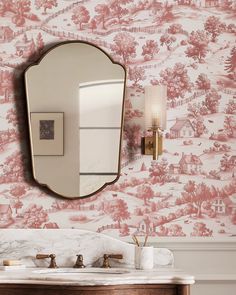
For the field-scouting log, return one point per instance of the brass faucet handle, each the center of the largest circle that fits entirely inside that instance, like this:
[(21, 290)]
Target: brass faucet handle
[(53, 259), (116, 256), (106, 257), (79, 262), (42, 256)]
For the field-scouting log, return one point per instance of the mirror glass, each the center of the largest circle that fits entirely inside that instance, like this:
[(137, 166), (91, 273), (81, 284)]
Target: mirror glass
[(75, 100)]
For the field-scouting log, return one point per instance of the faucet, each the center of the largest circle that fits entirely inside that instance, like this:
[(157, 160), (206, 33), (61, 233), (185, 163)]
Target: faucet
[(79, 262), (53, 259), (106, 257)]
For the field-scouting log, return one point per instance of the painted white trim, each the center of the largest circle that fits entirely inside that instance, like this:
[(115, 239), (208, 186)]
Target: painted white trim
[(174, 240), (197, 245), (210, 260), (192, 240), (215, 278)]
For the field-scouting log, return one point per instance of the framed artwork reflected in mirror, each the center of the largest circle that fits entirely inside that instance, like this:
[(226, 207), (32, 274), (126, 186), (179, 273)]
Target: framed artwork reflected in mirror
[(47, 134)]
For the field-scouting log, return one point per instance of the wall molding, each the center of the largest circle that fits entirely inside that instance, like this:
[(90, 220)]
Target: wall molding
[(216, 278), (197, 244), (210, 260)]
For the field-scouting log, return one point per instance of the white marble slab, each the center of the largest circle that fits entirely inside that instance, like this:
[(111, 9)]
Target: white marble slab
[(24, 244), (131, 276)]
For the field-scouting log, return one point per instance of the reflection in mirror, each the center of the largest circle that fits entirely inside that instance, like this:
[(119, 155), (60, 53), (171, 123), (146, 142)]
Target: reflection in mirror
[(75, 99)]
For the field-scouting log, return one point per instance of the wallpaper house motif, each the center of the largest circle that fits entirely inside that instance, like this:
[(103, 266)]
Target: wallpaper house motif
[(188, 45)]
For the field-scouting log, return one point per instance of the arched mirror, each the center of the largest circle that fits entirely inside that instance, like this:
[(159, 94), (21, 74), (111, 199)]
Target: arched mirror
[(75, 99)]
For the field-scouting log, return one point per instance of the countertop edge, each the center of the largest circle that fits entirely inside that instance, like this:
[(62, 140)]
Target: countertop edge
[(98, 283)]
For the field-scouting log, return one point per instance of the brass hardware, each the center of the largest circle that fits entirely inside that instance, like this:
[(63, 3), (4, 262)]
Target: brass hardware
[(79, 262), (160, 143), (106, 257), (53, 259), (146, 145), (153, 145)]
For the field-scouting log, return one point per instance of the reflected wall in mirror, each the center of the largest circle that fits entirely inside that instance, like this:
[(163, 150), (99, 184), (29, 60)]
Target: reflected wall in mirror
[(75, 100)]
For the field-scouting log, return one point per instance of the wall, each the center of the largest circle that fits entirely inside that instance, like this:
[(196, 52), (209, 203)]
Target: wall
[(211, 261), (191, 190)]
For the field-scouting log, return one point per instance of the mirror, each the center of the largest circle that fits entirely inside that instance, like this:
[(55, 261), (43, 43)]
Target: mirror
[(75, 101)]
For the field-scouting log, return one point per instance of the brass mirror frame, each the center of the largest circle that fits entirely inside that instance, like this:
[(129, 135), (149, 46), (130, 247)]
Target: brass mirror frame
[(29, 122)]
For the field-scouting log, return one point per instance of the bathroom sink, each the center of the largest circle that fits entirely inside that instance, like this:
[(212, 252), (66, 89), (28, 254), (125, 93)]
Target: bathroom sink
[(70, 271)]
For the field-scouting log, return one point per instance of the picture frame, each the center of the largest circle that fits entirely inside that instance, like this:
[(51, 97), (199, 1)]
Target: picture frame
[(47, 133)]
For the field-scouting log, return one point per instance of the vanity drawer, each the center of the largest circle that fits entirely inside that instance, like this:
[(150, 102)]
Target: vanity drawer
[(21, 289)]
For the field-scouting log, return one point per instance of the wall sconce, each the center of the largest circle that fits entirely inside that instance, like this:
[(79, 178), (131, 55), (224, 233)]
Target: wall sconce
[(155, 119)]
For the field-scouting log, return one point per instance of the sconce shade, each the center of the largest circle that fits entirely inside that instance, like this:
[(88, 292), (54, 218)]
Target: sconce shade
[(155, 106)]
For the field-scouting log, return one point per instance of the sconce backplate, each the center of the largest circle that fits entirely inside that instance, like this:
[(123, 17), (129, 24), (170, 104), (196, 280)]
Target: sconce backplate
[(147, 145)]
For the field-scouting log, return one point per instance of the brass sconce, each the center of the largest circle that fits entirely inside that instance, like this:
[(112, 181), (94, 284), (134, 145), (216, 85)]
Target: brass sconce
[(155, 119)]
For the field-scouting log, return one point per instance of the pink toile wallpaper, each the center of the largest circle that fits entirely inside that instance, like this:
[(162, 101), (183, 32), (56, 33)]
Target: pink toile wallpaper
[(189, 45)]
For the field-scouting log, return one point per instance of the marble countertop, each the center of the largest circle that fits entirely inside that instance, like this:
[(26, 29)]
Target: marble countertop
[(95, 276)]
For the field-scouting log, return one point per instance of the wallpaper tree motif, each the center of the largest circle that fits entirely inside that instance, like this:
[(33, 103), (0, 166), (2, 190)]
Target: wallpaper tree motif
[(188, 45)]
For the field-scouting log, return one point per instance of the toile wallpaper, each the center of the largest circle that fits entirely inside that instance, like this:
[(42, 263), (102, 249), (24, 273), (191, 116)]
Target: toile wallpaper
[(189, 45)]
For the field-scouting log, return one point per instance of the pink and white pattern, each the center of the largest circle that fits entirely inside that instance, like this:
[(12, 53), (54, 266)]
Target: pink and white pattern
[(188, 45)]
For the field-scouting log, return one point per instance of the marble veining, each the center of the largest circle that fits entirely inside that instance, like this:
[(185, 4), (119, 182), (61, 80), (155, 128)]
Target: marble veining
[(66, 243), (132, 276)]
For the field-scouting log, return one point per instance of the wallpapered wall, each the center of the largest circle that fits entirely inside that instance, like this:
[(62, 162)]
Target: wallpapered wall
[(188, 45)]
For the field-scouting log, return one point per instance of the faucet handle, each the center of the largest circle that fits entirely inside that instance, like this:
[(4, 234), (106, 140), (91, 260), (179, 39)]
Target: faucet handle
[(106, 257), (53, 259), (79, 262)]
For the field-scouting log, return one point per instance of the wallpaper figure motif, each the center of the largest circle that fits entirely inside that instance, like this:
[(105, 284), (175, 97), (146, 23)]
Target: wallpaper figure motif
[(188, 45)]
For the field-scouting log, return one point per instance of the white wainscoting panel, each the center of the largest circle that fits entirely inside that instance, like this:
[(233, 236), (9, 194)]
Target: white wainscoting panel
[(211, 261)]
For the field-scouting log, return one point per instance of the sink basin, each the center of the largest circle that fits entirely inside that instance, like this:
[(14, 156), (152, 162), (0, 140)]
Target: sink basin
[(69, 271)]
